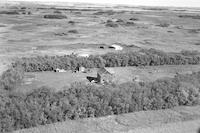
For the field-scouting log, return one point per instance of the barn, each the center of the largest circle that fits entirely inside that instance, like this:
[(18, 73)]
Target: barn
[(104, 75)]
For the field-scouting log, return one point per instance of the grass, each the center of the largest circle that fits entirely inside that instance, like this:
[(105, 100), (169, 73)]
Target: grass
[(122, 75)]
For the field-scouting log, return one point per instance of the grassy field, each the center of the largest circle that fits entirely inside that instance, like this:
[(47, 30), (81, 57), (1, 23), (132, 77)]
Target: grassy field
[(25, 34), (121, 75)]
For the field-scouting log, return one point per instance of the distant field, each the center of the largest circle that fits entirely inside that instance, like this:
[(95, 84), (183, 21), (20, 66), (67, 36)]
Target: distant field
[(25, 32), (121, 75)]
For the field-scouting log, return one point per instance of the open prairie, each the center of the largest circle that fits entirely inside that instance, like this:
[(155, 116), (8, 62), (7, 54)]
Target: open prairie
[(26, 31)]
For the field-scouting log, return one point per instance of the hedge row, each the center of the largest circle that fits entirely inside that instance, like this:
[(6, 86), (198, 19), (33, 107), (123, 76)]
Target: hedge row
[(143, 57), (44, 106)]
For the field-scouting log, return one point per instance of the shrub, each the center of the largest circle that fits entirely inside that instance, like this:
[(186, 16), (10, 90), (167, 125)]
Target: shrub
[(134, 19), (111, 24), (11, 77), (163, 25), (14, 12), (55, 16), (73, 31)]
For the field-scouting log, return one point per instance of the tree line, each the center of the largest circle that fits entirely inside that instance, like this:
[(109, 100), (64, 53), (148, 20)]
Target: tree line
[(144, 57)]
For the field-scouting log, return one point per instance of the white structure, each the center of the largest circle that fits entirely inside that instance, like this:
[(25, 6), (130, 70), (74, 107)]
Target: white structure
[(117, 47), (59, 70), (84, 55), (81, 69)]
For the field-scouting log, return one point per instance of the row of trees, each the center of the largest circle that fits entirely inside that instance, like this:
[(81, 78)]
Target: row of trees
[(44, 106), (143, 57)]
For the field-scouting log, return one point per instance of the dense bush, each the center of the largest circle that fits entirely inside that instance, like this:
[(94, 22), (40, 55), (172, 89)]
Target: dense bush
[(11, 77), (143, 57), (44, 106)]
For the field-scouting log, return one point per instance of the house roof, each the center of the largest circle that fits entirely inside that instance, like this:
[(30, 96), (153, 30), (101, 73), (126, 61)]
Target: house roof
[(104, 70)]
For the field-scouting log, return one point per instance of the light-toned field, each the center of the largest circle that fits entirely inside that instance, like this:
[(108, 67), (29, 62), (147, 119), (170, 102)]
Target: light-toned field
[(31, 35), (121, 74)]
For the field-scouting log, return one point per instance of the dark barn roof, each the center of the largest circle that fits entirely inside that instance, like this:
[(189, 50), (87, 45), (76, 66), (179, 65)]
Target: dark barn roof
[(103, 71)]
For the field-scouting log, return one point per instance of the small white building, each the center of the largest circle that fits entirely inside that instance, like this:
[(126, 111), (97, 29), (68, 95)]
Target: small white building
[(59, 70), (83, 55), (117, 47)]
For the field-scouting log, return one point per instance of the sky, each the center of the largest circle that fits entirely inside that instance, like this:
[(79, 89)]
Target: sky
[(177, 3)]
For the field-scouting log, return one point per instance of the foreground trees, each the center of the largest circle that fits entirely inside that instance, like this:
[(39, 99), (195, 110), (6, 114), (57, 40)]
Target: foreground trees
[(44, 106)]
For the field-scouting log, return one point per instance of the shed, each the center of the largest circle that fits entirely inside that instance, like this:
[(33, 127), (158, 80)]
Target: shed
[(117, 47), (104, 75), (83, 55), (59, 70)]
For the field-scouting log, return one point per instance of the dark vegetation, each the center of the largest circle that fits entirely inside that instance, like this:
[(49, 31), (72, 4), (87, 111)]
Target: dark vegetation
[(198, 44), (108, 12), (61, 34), (143, 57), (194, 31), (57, 11), (55, 16), (44, 106), (11, 77), (156, 9), (71, 22), (190, 16), (134, 19), (73, 31), (111, 24), (163, 25), (116, 23), (14, 12)]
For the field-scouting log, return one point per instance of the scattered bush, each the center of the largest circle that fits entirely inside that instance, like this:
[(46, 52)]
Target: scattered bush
[(14, 12), (44, 106), (111, 24), (73, 31), (129, 23), (108, 12), (190, 16), (164, 25), (71, 22), (55, 16), (134, 19), (57, 12), (194, 31)]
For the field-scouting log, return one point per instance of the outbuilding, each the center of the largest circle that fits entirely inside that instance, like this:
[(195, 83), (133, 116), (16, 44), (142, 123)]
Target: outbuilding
[(116, 47), (59, 70), (104, 75)]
